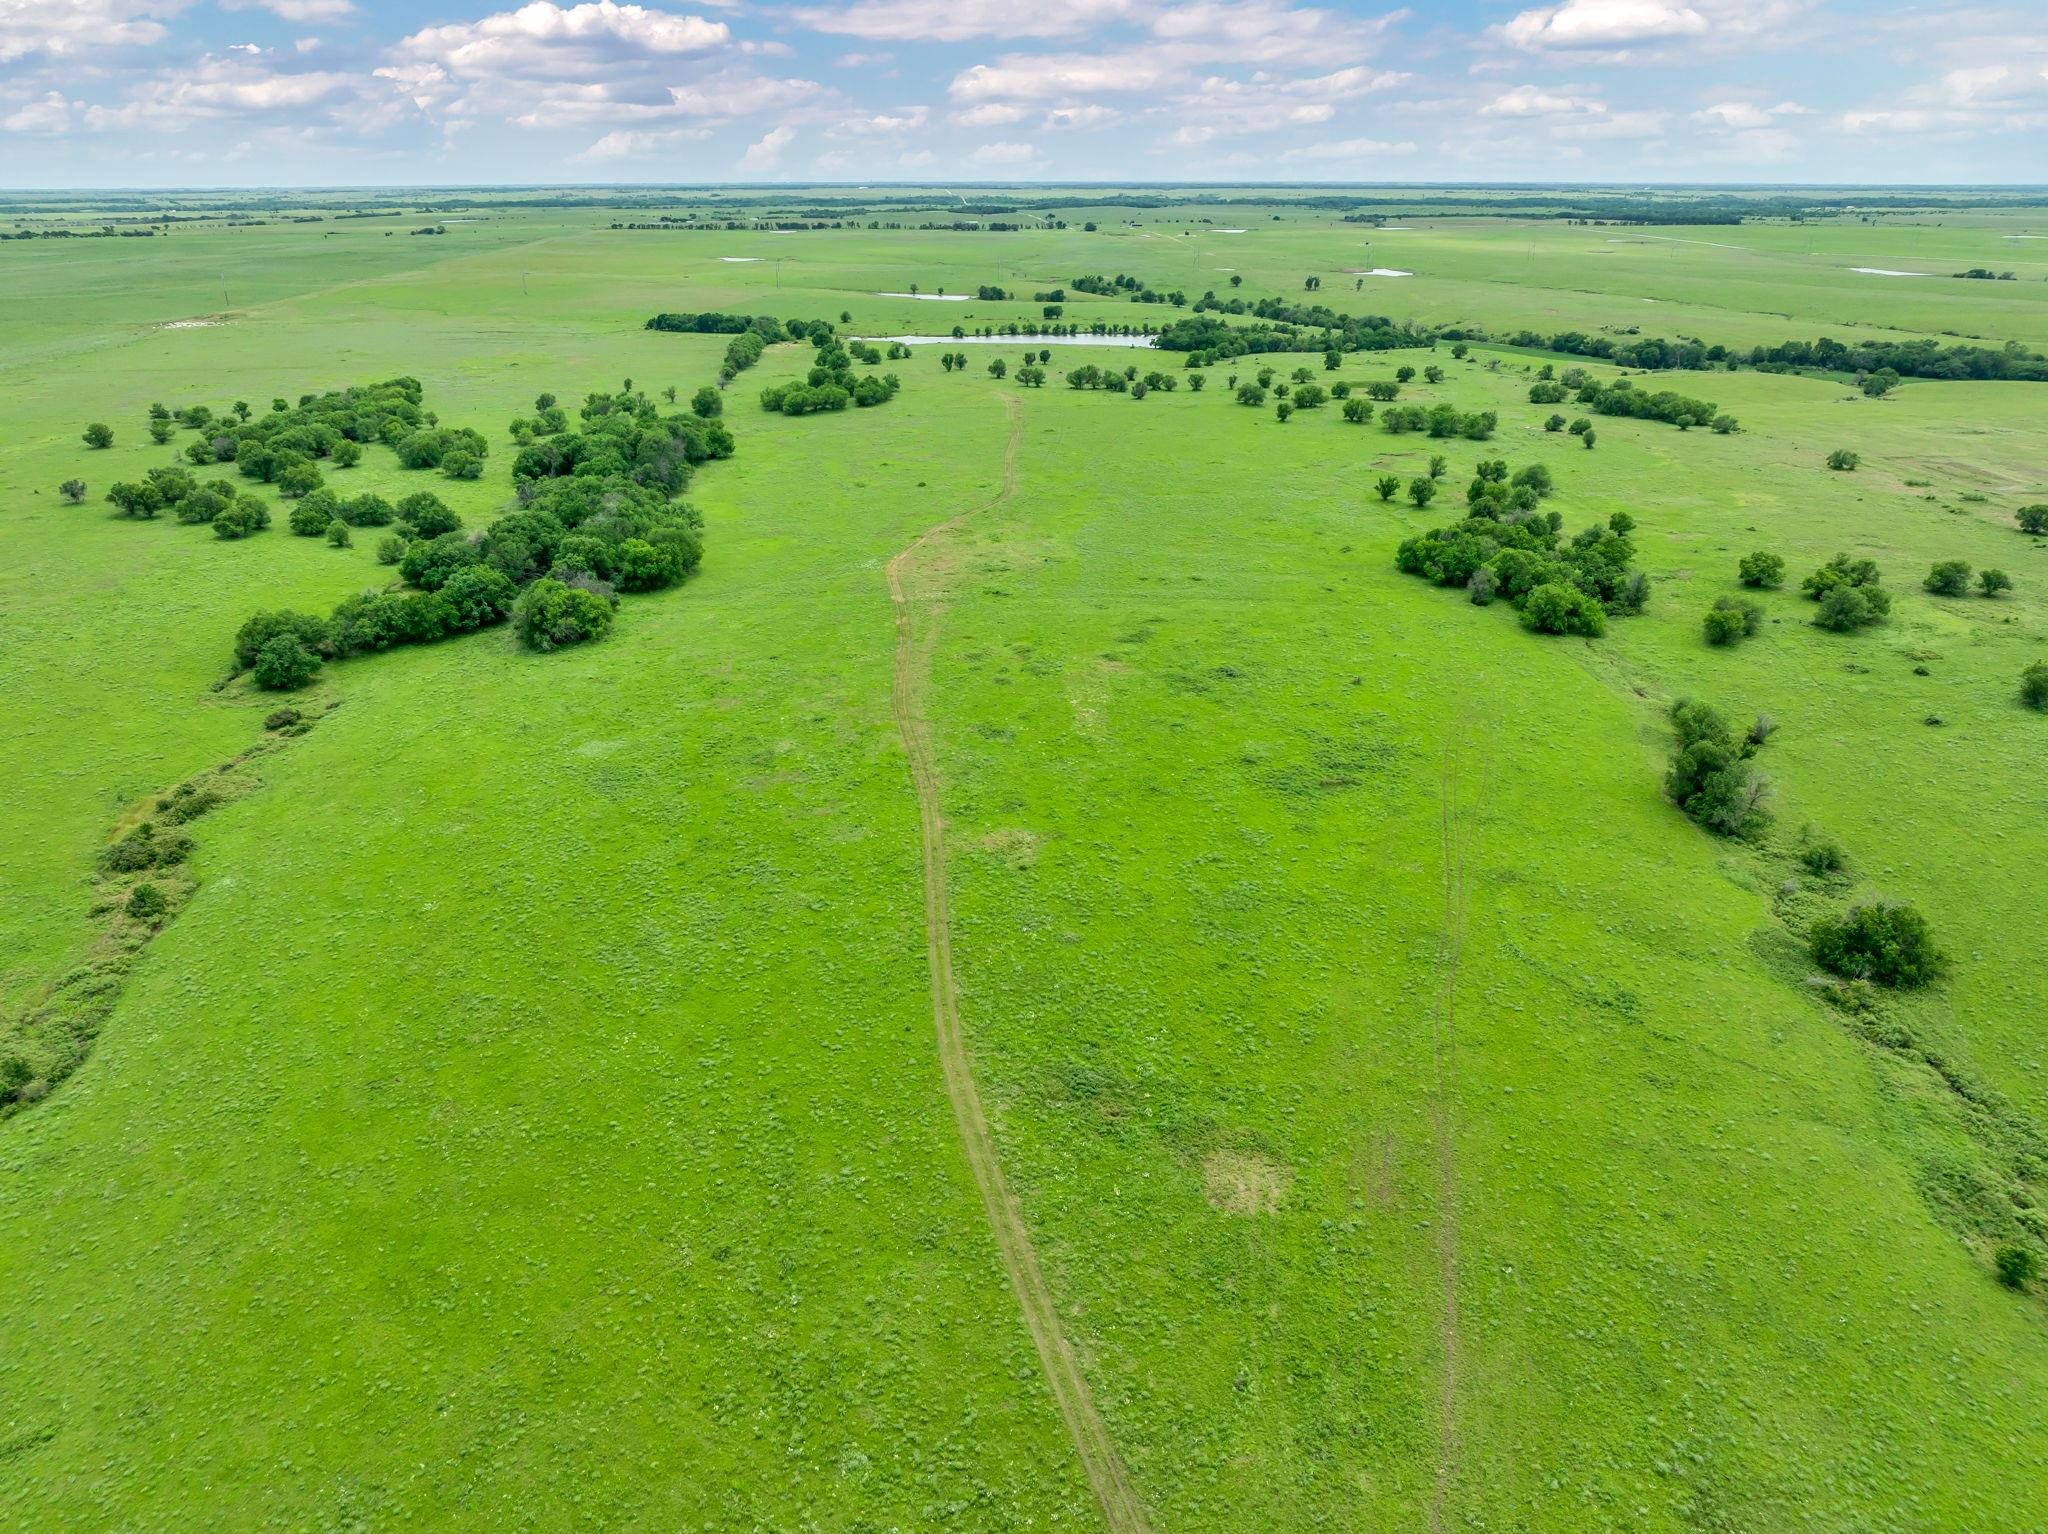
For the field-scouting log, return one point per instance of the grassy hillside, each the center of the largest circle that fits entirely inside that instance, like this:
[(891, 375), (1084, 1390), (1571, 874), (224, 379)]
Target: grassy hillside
[(535, 1113)]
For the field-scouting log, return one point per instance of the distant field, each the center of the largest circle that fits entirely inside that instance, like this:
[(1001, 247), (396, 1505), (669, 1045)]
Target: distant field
[(535, 1117)]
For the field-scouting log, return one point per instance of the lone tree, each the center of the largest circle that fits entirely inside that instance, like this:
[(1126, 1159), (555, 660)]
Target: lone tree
[(1710, 778), (1421, 490), (1949, 578), (73, 490), (2033, 519), (99, 434), (1388, 485), (1762, 570), (1992, 582), (2034, 685)]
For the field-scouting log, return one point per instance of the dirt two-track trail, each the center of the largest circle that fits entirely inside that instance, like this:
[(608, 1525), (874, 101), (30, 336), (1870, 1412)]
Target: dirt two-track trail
[(1121, 1509), (1443, 1052)]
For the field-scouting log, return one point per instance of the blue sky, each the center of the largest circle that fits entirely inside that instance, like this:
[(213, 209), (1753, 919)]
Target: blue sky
[(285, 92)]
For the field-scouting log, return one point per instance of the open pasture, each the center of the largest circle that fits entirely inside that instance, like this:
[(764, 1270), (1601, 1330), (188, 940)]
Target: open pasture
[(535, 1113)]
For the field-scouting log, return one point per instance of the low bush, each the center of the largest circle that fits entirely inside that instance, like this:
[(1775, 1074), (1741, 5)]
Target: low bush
[(2034, 685), (1731, 619), (1711, 779), (1886, 942)]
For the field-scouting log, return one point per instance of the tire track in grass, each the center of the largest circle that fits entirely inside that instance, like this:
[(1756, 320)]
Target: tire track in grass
[(1121, 1509), (1443, 1019)]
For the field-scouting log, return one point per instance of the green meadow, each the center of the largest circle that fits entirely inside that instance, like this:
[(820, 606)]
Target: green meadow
[(534, 1116)]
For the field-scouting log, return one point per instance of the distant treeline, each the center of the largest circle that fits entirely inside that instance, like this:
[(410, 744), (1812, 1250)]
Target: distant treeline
[(77, 234), (1286, 327), (1909, 359)]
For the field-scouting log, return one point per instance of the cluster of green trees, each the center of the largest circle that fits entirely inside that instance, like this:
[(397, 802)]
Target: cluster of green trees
[(1105, 287), (830, 384), (2034, 685), (1885, 942), (1623, 399), (1850, 594), (286, 445), (1442, 420), (1092, 376), (169, 488), (597, 516), (1951, 578), (620, 436), (1733, 618), (1506, 551), (1711, 778)]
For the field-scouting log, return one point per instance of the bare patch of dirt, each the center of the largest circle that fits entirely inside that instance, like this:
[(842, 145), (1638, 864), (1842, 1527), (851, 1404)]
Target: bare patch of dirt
[(1013, 844), (1243, 1182)]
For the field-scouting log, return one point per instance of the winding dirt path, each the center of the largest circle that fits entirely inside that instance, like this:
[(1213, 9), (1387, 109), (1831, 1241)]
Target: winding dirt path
[(1443, 1051), (1121, 1509)]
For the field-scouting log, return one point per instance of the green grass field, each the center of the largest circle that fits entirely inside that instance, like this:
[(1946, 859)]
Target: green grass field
[(535, 1118)]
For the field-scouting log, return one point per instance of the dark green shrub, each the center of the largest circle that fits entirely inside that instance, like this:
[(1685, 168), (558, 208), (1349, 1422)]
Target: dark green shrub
[(281, 718), (338, 535), (1732, 618), (284, 663), (99, 434), (2032, 519), (1823, 857), (390, 549), (2034, 685), (312, 516), (1710, 777), (73, 490), (550, 615), (1990, 582), (2016, 1265), (428, 562), (146, 902), (366, 510), (1949, 578), (1842, 460), (1888, 943), (1762, 570), (248, 515), (427, 514), (1556, 608), (1845, 609)]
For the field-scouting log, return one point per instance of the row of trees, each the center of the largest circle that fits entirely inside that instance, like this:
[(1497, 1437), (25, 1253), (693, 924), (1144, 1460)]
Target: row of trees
[(1904, 359)]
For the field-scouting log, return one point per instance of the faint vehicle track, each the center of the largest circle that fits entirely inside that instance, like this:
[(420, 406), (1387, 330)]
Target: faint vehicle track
[(1443, 1019), (1121, 1509)]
